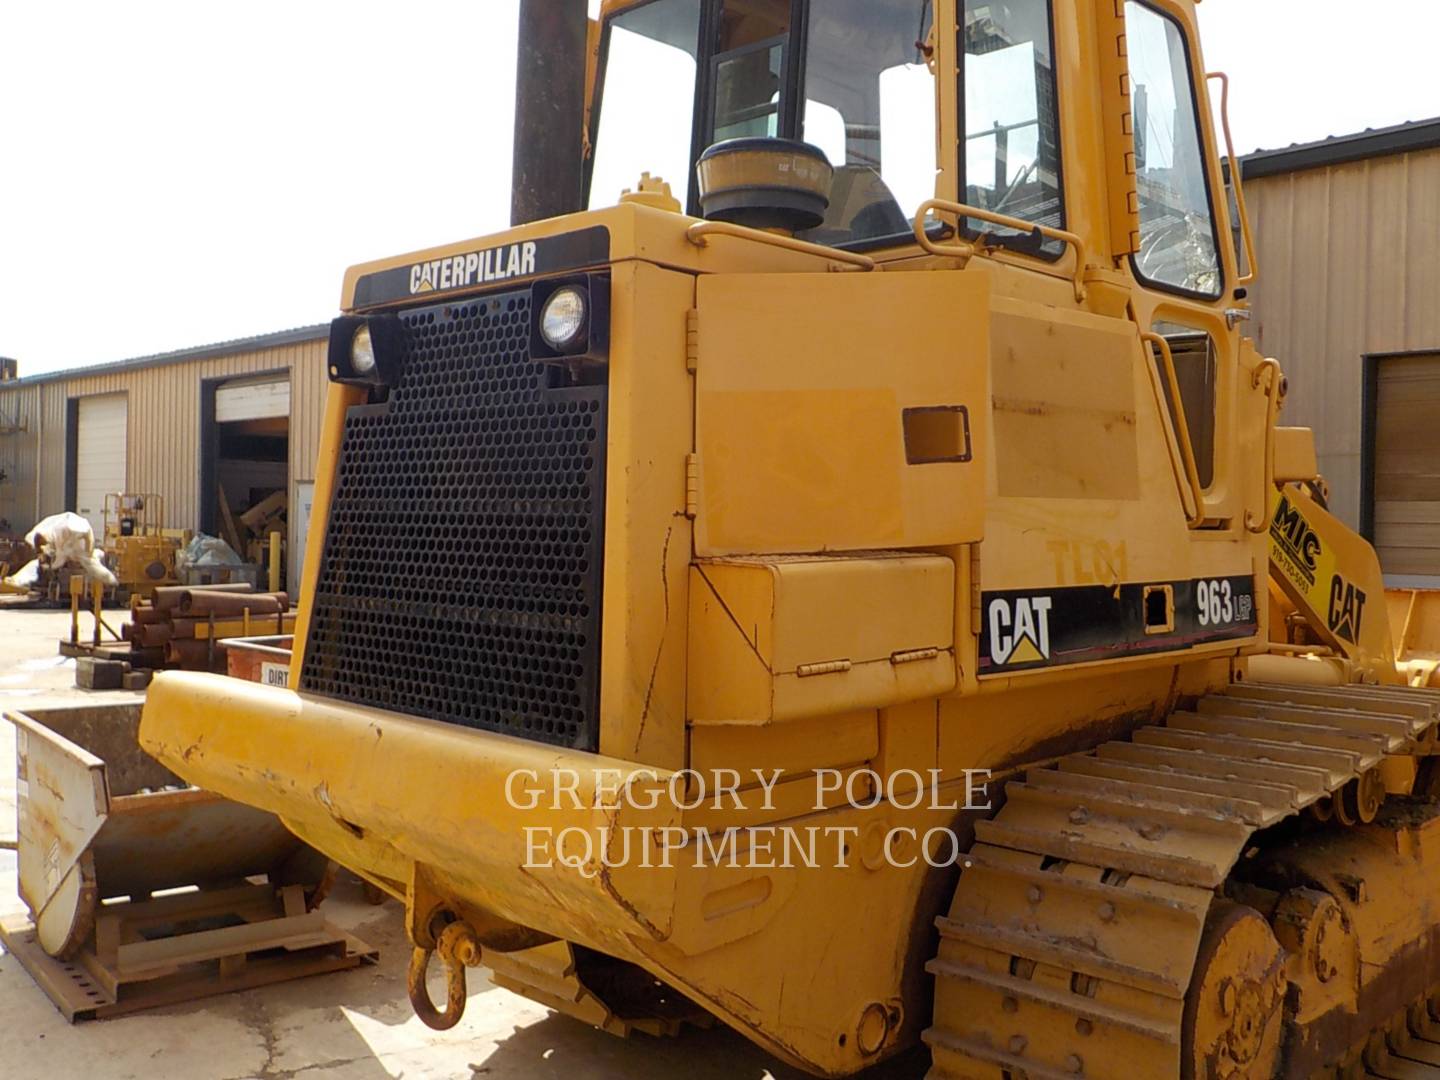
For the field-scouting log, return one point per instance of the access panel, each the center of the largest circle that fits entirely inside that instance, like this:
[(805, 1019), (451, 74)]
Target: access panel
[(841, 412)]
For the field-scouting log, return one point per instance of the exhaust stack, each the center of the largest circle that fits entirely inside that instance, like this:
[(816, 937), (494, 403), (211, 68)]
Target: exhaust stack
[(549, 110)]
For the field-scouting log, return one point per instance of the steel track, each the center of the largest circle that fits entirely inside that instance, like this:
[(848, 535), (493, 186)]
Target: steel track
[(1077, 922)]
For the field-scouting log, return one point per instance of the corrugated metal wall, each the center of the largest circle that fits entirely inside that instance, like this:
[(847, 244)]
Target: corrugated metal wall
[(19, 457), (164, 435), (1349, 266)]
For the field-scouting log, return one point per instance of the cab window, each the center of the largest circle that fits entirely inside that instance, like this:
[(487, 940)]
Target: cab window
[(870, 106), (1179, 250), (1012, 129), (851, 76), (639, 128), (750, 69), (1196, 370)]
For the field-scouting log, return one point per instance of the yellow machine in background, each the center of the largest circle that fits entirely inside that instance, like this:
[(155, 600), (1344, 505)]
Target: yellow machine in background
[(916, 443), (1415, 627), (141, 549)]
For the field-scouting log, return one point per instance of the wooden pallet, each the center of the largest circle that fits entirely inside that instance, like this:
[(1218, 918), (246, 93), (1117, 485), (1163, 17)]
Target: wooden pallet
[(126, 967), (109, 650)]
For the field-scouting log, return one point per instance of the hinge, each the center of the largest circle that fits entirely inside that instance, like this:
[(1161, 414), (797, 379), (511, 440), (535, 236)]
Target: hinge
[(827, 667), (1117, 110), (692, 340), (692, 485), (975, 616), (911, 656)]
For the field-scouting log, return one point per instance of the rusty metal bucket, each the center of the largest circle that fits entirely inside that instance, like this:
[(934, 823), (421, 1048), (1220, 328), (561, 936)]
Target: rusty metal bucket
[(132, 874), (99, 819)]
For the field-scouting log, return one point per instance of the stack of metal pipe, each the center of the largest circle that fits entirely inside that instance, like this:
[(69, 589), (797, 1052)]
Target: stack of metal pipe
[(181, 625)]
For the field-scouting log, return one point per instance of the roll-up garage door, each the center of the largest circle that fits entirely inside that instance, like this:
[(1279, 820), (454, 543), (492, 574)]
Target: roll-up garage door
[(1407, 466), (99, 456), (266, 398)]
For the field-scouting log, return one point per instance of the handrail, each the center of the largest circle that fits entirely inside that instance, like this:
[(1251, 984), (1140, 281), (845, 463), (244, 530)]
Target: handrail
[(1248, 237), (1259, 523), (698, 232), (1182, 429), (966, 249)]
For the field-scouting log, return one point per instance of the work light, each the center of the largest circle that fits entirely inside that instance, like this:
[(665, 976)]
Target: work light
[(362, 352), (570, 322), (366, 350), (562, 321)]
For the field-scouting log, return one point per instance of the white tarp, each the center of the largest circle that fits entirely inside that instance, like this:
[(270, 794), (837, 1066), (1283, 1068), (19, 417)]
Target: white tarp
[(63, 540), (206, 550)]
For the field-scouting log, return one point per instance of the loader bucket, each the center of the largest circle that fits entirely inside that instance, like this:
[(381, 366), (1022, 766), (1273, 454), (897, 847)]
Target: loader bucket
[(1415, 626)]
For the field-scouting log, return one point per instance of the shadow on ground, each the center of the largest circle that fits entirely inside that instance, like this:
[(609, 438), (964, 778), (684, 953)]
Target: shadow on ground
[(559, 1047), (358, 1025)]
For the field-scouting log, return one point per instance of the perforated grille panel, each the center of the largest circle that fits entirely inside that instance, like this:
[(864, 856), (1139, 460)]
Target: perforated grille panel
[(461, 574)]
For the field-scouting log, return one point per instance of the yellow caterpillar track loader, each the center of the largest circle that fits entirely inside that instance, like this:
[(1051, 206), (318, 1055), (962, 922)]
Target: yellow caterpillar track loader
[(860, 589)]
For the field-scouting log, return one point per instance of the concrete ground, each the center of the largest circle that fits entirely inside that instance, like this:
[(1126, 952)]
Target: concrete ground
[(355, 1025)]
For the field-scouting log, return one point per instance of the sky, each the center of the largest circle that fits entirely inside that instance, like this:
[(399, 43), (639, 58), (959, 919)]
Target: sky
[(177, 173)]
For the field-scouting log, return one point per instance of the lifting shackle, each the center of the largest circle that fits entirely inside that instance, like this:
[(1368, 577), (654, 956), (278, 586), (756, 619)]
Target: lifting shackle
[(459, 948)]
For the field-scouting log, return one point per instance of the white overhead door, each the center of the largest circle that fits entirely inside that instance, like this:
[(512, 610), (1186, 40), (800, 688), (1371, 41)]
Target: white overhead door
[(253, 399), (99, 456), (1407, 466)]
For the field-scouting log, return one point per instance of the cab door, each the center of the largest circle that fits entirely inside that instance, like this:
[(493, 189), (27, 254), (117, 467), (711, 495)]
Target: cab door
[(1189, 287)]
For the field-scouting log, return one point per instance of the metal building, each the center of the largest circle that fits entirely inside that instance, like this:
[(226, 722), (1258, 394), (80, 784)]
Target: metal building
[(1348, 241), (211, 430)]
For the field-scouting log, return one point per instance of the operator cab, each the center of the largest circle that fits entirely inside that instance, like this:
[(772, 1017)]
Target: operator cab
[(861, 80), (852, 78)]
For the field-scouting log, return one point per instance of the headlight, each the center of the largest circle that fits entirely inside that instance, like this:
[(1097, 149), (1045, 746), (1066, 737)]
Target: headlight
[(362, 352), (366, 351), (563, 319), (570, 325)]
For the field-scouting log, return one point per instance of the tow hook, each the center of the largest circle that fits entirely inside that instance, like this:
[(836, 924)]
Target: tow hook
[(459, 948)]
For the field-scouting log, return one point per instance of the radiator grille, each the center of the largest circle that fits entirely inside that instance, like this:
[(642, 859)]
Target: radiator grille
[(461, 574)]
